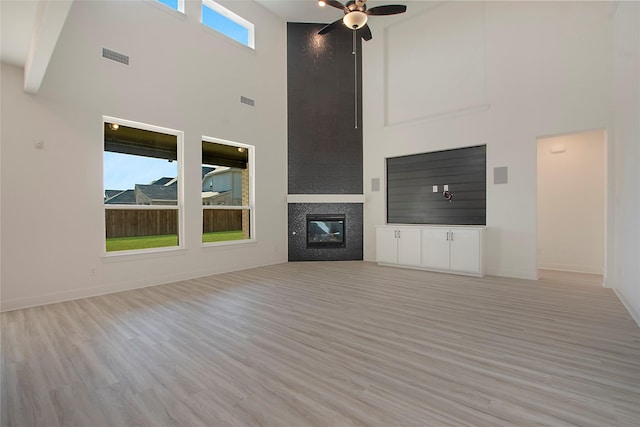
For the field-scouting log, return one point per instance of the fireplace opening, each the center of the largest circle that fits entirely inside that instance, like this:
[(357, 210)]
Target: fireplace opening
[(326, 231)]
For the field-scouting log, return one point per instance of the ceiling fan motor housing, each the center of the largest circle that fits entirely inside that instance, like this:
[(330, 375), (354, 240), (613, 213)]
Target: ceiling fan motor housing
[(356, 15)]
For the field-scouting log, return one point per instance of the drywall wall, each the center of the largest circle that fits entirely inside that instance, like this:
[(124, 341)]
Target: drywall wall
[(571, 202), (181, 76), (546, 70), (625, 139)]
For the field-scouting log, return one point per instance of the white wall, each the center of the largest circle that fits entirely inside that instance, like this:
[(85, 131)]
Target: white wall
[(571, 202), (625, 277), (546, 68), (181, 76)]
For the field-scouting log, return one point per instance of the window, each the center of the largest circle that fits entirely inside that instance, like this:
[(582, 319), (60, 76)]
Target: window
[(174, 4), (142, 192), (228, 23), (227, 191)]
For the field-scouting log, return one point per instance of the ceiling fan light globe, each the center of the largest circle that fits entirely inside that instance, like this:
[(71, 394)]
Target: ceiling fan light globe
[(355, 20)]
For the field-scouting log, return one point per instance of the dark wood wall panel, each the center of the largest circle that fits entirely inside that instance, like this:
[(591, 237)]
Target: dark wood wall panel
[(410, 181), (324, 147)]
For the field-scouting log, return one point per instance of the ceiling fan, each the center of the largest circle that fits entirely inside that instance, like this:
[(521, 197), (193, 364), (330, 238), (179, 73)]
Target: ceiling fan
[(356, 15)]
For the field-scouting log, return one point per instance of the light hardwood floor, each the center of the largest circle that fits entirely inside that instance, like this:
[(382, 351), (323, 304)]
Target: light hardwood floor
[(327, 344)]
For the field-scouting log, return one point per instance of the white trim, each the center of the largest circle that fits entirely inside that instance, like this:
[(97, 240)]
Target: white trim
[(571, 268), (251, 156), (117, 256), (634, 314), (251, 36), (226, 207), (437, 116), (180, 201), (74, 294), (325, 198), (141, 207), (227, 243)]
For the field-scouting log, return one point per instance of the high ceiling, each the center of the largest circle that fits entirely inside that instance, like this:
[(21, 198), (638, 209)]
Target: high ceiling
[(19, 19)]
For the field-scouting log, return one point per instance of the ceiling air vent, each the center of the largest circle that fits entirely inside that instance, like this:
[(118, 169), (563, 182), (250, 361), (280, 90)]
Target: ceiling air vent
[(115, 56)]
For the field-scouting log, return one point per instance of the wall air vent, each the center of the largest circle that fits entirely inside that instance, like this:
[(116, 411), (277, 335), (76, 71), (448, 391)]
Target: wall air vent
[(247, 101), (115, 56)]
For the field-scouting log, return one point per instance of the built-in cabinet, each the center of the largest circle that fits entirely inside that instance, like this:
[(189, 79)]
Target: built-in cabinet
[(452, 249), (399, 245)]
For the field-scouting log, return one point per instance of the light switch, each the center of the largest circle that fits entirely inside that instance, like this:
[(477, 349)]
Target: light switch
[(435, 188)]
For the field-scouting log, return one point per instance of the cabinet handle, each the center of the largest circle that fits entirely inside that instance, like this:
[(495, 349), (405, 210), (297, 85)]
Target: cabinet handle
[(452, 236), (447, 235), (395, 234), (398, 234)]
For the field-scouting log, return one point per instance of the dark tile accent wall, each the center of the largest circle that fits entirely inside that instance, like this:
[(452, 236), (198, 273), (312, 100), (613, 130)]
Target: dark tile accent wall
[(410, 181), (324, 147), (298, 228)]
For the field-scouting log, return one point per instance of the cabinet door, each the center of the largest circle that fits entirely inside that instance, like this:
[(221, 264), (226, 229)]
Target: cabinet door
[(386, 245), (409, 246), (435, 248), (465, 250)]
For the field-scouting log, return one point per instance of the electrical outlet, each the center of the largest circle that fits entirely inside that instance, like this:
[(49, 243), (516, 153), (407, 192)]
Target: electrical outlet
[(446, 188), (435, 188)]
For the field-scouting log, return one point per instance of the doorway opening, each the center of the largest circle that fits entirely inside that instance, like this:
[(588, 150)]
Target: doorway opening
[(571, 202)]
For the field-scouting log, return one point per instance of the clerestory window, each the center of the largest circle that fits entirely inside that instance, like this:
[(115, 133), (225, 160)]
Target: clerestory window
[(228, 23)]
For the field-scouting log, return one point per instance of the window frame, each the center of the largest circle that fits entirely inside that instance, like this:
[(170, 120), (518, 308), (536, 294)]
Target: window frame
[(232, 16), (251, 184), (180, 8), (180, 197)]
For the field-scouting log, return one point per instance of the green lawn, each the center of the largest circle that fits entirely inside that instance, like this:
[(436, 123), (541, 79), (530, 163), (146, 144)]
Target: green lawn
[(221, 236), (146, 242)]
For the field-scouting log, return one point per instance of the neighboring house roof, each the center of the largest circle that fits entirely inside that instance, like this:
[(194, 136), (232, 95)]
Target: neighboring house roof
[(159, 192), (126, 197), (110, 193), (206, 170), (216, 171), (207, 194), (162, 181)]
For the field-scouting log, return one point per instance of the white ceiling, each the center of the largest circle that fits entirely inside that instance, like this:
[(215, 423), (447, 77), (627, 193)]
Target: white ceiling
[(17, 21)]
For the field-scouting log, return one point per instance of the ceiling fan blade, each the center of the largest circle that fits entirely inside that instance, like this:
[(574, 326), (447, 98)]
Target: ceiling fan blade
[(390, 9), (337, 5), (329, 27), (365, 33)]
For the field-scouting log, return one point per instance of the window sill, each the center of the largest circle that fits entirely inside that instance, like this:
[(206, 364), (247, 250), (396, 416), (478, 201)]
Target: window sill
[(227, 243), (120, 256)]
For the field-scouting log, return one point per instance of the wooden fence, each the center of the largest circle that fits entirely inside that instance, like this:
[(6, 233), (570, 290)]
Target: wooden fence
[(221, 220), (145, 222)]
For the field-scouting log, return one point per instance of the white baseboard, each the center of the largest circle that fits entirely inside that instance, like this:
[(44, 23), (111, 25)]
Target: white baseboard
[(73, 294), (514, 274), (571, 268), (634, 314)]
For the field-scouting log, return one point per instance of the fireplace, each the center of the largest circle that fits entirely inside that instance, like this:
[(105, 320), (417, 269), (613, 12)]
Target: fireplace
[(306, 243), (326, 231)]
